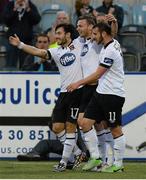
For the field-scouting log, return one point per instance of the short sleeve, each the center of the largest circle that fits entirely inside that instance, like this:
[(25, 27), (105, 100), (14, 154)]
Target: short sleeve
[(108, 60)]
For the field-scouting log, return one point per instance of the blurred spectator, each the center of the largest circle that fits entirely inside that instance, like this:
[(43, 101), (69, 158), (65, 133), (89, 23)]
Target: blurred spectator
[(33, 63), (61, 18), (82, 7), (109, 8), (78, 7), (3, 3), (43, 148), (20, 16), (86, 7), (52, 38), (141, 147)]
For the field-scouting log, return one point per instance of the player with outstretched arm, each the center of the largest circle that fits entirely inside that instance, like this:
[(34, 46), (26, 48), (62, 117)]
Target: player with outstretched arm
[(67, 58)]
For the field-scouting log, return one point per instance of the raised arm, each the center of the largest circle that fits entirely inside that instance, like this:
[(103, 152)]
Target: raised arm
[(15, 41), (114, 24)]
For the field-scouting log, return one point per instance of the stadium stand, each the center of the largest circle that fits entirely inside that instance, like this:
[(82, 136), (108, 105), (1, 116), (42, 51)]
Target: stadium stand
[(2, 46), (143, 62), (133, 42), (133, 36), (48, 14), (3, 30), (127, 13), (131, 60), (134, 20), (139, 14), (95, 3), (2, 57)]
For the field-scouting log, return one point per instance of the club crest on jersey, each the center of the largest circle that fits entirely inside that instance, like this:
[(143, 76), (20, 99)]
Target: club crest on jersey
[(67, 59), (71, 47), (84, 50), (108, 61)]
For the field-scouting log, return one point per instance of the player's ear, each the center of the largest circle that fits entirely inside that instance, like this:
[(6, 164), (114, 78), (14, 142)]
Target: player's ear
[(90, 26), (103, 34), (68, 35)]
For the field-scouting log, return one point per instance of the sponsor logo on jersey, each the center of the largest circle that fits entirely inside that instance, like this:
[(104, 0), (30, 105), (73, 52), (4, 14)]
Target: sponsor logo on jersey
[(71, 47), (67, 59), (108, 61), (84, 50)]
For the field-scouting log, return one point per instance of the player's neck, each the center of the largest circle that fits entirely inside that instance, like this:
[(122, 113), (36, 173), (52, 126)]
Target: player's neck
[(106, 43), (67, 43), (107, 40), (88, 37)]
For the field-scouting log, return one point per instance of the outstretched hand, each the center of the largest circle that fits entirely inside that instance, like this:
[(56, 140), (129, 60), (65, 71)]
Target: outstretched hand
[(14, 40)]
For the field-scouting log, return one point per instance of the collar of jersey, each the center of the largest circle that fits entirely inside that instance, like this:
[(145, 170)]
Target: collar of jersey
[(108, 43), (69, 46)]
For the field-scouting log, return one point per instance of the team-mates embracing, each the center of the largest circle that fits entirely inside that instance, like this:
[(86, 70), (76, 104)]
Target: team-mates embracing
[(93, 56), (107, 102), (89, 62)]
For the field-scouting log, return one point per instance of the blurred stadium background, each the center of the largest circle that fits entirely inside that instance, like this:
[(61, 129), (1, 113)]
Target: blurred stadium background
[(133, 36)]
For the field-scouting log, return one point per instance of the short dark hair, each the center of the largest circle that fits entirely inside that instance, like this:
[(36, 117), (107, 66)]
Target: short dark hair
[(89, 18), (41, 35), (103, 26), (69, 28)]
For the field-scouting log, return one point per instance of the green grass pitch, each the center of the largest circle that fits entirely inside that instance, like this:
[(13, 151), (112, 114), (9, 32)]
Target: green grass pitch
[(43, 170)]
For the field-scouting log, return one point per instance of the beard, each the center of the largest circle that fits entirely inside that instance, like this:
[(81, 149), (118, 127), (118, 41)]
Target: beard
[(62, 42)]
